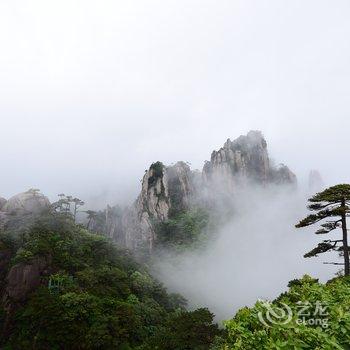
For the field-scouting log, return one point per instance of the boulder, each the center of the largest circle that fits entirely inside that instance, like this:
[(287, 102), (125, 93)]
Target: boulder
[(27, 202), (22, 279)]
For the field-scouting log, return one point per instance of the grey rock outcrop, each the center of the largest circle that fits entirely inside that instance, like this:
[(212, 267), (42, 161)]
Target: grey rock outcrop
[(242, 161), (30, 201), (168, 190), (22, 209), (154, 196), (282, 175), (165, 191), (22, 279)]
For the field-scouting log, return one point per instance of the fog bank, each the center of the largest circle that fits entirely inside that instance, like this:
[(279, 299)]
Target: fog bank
[(254, 256)]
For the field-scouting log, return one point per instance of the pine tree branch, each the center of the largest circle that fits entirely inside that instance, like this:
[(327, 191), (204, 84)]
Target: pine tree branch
[(328, 227), (321, 248), (318, 206)]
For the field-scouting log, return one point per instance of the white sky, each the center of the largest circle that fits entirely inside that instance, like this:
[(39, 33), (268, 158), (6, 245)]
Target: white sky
[(92, 92)]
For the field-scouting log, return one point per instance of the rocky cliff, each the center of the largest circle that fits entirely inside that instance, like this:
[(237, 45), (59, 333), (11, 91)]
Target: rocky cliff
[(165, 191), (168, 190), (244, 160)]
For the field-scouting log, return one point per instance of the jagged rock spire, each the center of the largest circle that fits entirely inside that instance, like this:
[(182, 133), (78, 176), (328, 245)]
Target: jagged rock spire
[(167, 190), (244, 159)]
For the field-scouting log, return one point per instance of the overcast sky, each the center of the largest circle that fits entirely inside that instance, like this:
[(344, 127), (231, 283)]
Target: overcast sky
[(92, 92)]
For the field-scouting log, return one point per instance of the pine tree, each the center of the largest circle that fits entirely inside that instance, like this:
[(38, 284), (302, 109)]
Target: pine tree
[(331, 209)]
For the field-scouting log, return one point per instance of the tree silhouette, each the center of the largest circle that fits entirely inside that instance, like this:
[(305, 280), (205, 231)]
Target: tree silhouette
[(67, 205), (91, 216), (331, 209), (77, 204)]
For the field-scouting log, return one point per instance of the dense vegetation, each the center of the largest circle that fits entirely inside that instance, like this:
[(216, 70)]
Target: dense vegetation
[(93, 295), (157, 169), (185, 229), (322, 308)]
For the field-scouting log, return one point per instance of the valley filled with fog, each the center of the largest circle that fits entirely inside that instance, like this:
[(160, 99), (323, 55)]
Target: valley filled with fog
[(253, 256)]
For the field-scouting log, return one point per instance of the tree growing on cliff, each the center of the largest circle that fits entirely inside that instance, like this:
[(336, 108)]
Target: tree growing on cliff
[(67, 205), (331, 209)]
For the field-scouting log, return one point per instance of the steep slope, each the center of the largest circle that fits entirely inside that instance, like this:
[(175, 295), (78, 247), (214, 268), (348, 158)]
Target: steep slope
[(165, 191), (170, 190), (62, 287)]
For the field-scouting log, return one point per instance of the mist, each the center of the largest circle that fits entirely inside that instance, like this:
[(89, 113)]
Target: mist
[(93, 93), (254, 255), (118, 106)]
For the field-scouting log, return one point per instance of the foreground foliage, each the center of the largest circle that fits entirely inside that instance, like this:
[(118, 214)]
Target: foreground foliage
[(246, 331), (94, 296)]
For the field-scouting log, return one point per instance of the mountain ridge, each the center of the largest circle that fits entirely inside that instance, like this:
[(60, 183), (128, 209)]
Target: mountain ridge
[(167, 190)]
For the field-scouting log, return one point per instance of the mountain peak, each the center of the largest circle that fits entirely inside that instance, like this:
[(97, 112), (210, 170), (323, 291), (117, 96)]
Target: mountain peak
[(167, 190), (245, 158)]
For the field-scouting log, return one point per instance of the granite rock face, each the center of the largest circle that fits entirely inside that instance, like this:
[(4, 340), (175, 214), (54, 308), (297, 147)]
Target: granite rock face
[(282, 175), (165, 191), (244, 160), (154, 196), (22, 208), (30, 201), (168, 190), (22, 279)]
